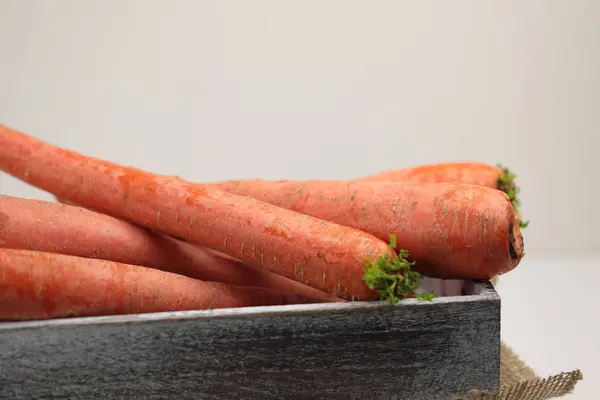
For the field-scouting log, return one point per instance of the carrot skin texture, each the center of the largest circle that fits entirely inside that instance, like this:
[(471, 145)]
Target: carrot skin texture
[(474, 173), (210, 253), (29, 224), (453, 231), (38, 285), (318, 253)]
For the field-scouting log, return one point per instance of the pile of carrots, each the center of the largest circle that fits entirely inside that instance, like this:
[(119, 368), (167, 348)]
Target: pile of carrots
[(123, 240)]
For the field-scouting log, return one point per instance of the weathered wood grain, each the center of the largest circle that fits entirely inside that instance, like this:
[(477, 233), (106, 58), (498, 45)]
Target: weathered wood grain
[(413, 350)]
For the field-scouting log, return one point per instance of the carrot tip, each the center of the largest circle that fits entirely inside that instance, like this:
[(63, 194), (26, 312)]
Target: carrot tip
[(506, 183)]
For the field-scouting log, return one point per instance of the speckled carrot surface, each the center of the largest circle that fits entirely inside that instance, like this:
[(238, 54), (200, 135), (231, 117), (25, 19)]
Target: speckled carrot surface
[(319, 253)]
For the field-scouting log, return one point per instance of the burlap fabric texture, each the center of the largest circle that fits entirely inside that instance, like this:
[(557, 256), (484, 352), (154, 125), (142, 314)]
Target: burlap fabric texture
[(519, 382)]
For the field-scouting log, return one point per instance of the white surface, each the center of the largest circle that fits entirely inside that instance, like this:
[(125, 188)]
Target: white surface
[(550, 318), (214, 90), (217, 89)]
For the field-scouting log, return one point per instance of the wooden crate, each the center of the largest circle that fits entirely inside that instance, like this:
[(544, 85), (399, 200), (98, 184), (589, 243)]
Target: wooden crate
[(363, 350)]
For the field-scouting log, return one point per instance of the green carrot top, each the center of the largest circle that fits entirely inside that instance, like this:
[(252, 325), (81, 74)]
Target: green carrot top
[(394, 279), (507, 184)]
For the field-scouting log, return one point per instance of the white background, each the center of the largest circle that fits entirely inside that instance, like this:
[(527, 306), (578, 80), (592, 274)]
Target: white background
[(214, 90)]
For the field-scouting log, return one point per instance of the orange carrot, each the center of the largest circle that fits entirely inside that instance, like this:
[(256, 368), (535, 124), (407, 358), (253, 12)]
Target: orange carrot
[(453, 231), (211, 252), (319, 253), (474, 173), (39, 285), (58, 228)]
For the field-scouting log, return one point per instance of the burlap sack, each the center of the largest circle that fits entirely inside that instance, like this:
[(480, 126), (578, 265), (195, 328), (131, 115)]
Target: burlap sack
[(519, 382)]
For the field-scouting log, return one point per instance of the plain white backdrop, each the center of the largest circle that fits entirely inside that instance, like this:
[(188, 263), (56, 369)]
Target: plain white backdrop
[(212, 90)]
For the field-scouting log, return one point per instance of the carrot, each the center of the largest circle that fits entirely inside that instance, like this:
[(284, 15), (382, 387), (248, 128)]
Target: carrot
[(453, 231), (410, 277), (376, 275), (29, 224), (318, 253), (475, 173), (203, 250), (39, 285)]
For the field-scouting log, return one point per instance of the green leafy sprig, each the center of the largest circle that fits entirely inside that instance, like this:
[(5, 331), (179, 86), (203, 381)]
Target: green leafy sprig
[(506, 183), (394, 278)]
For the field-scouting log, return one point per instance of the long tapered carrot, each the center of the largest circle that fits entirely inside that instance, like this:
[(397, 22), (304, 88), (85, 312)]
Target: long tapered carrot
[(39, 285), (475, 173), (400, 268), (58, 228), (454, 231), (319, 253)]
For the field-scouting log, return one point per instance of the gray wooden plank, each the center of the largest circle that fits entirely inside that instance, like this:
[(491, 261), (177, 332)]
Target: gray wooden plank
[(413, 350)]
